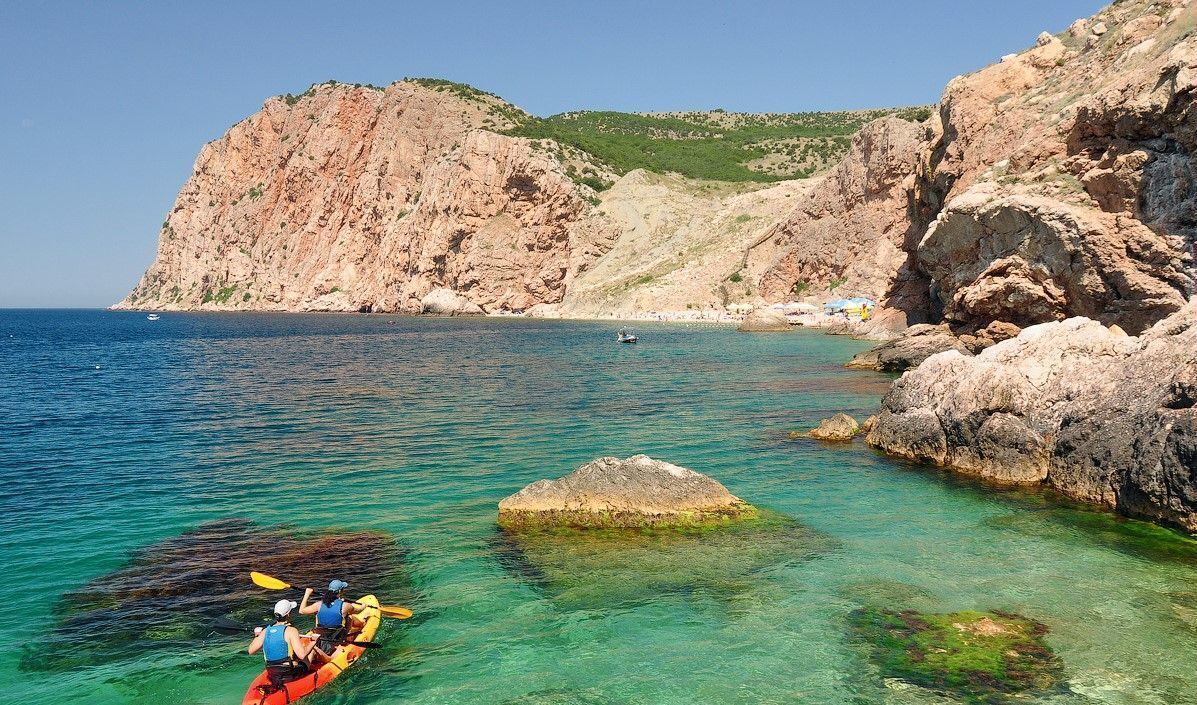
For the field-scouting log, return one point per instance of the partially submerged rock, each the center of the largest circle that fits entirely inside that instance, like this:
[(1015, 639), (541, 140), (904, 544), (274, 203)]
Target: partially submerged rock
[(596, 568), (979, 657), (764, 320), (908, 350), (446, 302), (633, 492), (840, 427), (1097, 415)]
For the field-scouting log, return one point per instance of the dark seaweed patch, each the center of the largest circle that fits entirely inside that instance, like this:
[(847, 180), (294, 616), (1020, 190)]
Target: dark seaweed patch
[(168, 594)]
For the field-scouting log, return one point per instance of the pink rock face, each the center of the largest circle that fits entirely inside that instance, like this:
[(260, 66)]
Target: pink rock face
[(350, 199), (854, 225)]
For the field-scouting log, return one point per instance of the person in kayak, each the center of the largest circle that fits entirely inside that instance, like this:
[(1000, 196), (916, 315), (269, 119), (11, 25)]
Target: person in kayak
[(288, 656), (335, 620)]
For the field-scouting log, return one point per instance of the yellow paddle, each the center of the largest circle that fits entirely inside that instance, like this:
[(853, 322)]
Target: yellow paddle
[(270, 583)]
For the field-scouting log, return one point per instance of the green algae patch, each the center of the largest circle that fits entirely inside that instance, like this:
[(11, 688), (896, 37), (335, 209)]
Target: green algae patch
[(585, 568), (682, 520), (978, 657)]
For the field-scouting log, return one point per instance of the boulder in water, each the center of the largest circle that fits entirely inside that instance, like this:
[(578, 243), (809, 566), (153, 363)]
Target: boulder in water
[(840, 427), (633, 492)]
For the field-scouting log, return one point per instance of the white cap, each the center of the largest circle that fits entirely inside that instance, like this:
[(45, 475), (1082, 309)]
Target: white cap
[(283, 607)]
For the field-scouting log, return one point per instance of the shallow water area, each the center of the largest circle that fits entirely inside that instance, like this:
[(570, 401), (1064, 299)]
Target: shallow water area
[(123, 432)]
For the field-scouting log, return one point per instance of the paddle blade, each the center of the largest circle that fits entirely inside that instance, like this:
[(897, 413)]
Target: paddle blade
[(228, 626), (265, 581), (396, 612)]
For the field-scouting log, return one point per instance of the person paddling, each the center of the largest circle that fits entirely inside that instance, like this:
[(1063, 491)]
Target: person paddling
[(288, 656), (335, 620)]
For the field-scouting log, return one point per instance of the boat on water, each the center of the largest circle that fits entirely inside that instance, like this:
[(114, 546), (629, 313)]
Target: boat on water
[(153, 317), (263, 692), (626, 336)]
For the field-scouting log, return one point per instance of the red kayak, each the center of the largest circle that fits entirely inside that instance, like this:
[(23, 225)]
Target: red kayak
[(261, 692)]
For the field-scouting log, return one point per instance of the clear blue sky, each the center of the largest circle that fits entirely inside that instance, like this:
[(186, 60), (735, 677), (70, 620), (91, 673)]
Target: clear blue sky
[(104, 105)]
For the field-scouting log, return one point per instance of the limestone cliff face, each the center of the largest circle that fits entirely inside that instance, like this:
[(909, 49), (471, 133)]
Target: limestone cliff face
[(352, 198)]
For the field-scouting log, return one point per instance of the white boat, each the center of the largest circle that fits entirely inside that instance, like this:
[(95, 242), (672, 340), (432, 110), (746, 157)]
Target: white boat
[(626, 337), (153, 317)]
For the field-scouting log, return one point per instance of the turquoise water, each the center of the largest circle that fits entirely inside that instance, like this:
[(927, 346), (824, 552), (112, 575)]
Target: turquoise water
[(120, 433)]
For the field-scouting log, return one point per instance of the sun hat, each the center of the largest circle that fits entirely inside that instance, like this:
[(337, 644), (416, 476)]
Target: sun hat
[(337, 585)]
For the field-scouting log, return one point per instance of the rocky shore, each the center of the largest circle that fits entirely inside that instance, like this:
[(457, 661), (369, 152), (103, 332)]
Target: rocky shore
[(1084, 409)]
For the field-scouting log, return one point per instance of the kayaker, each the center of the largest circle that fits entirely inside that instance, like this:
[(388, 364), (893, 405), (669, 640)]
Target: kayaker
[(335, 619), (287, 655)]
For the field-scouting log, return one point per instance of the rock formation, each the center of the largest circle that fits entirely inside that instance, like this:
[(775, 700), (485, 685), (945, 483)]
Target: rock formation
[(764, 320), (357, 198), (1055, 183), (838, 428), (852, 232), (633, 492), (908, 350), (1091, 412)]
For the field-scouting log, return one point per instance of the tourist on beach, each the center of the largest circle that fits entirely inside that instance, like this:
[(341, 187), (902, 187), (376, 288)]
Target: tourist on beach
[(288, 656), (334, 614)]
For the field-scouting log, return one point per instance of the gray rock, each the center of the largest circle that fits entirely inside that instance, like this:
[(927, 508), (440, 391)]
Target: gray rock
[(764, 320), (840, 427), (633, 492), (1099, 416), (916, 344)]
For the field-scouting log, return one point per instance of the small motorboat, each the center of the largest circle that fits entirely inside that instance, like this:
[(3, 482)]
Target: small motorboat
[(153, 317), (626, 336)]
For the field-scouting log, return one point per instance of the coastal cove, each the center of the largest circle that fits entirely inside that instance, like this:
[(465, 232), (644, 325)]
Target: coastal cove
[(122, 434)]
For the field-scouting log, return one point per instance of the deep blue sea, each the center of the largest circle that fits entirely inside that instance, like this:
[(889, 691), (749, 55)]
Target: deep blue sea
[(148, 464)]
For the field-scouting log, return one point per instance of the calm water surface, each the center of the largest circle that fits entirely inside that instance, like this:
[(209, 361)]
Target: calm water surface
[(119, 433)]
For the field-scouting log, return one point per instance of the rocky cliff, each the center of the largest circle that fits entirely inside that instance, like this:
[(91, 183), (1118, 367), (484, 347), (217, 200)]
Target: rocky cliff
[(350, 198), (1088, 411), (1054, 183)]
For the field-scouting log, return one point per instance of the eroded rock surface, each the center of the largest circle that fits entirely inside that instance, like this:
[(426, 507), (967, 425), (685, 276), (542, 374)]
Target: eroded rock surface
[(633, 492), (908, 350), (838, 428), (1091, 412)]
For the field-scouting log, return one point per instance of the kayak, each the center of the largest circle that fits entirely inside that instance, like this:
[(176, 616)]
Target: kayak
[(262, 693)]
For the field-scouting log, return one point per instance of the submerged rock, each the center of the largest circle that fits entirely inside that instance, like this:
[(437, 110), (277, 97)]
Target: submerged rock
[(1101, 417), (588, 568), (764, 320), (168, 594), (610, 492), (978, 657), (840, 427)]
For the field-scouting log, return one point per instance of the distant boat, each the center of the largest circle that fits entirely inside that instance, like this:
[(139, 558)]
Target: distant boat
[(627, 337), (153, 317)]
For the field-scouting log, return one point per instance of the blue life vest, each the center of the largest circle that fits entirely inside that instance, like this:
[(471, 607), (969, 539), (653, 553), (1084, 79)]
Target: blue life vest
[(331, 615), (274, 646)]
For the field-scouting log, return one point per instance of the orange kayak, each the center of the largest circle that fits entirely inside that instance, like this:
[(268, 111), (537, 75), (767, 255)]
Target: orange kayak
[(262, 693)]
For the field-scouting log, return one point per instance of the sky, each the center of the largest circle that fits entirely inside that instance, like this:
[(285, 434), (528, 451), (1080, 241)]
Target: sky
[(104, 105)]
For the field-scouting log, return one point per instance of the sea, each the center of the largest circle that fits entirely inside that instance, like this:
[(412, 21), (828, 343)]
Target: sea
[(149, 465)]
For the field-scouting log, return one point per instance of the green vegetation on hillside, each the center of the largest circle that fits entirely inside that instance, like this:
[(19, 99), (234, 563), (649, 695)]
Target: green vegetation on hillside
[(716, 145)]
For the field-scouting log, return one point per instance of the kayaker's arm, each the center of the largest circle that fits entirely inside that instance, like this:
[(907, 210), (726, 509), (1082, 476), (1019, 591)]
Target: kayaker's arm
[(255, 645), (304, 607)]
